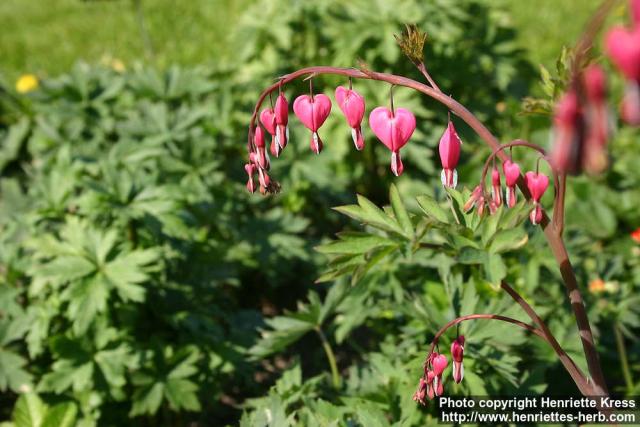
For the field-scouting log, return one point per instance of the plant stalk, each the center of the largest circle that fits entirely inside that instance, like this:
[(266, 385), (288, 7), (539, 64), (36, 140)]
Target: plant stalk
[(622, 352), (335, 375)]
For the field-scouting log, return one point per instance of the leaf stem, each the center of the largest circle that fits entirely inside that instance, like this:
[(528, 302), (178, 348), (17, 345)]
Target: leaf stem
[(622, 352), (335, 375)]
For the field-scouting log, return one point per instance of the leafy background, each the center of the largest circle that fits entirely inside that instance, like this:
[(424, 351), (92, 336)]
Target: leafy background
[(141, 285)]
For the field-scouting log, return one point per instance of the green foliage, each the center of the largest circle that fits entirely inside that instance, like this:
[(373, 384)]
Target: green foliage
[(141, 285)]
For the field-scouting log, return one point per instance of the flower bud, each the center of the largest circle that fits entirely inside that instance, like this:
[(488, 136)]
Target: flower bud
[(511, 174), (449, 149), (457, 355), (281, 111), (352, 105), (496, 187)]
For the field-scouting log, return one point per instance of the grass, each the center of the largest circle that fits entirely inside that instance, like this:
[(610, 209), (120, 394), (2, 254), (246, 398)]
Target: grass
[(47, 37)]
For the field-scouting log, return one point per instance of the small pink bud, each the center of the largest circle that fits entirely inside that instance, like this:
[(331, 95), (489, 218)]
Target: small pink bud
[(250, 168), (268, 120), (312, 112), (457, 355), (511, 174), (393, 128), (352, 105), (474, 199), (449, 149), (281, 111), (421, 392), (595, 83), (263, 159), (258, 137), (496, 187)]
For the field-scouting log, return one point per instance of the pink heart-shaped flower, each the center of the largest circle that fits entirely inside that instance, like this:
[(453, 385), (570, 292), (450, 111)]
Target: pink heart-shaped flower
[(623, 46), (394, 130), (352, 105), (449, 147), (439, 364), (537, 184), (281, 110), (312, 112), (268, 120), (511, 173)]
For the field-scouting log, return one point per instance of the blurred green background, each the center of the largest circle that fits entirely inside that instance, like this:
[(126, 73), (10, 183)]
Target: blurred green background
[(49, 37), (141, 285)]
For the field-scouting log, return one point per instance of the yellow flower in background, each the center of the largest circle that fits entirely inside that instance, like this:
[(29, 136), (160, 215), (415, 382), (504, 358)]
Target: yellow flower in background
[(117, 65), (27, 83)]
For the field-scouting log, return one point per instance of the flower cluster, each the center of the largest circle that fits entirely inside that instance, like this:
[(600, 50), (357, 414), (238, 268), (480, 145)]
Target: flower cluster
[(581, 125), (392, 126), (431, 383), (536, 183)]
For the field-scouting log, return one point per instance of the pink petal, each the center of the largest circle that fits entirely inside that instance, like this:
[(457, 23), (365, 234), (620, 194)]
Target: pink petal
[(352, 105), (449, 147), (623, 46)]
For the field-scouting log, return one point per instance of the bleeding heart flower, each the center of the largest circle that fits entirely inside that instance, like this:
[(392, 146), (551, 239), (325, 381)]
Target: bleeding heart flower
[(537, 184), (568, 133), (250, 168), (449, 149), (439, 363), (281, 111), (258, 139), (352, 105), (623, 47), (457, 354), (421, 392), (496, 187), (393, 128), (430, 388), (312, 112), (268, 120), (511, 174), (475, 200)]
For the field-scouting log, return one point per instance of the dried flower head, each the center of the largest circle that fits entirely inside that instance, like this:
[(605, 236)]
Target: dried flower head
[(411, 42)]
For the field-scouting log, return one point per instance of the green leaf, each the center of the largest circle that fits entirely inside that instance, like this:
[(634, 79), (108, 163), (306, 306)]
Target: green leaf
[(495, 269), (284, 331), (126, 271), (12, 374), (67, 268), (368, 213), (182, 394), (147, 400), (508, 240), (61, 415), (431, 207), (29, 411), (86, 298), (400, 211), (354, 244)]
